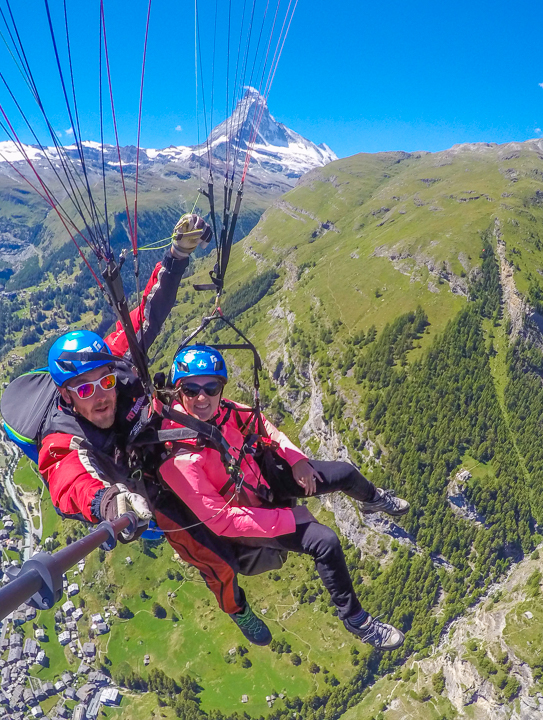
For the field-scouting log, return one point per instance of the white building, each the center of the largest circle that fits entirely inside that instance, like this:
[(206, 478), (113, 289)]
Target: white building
[(110, 696), (41, 657), (64, 637), (73, 589), (68, 607)]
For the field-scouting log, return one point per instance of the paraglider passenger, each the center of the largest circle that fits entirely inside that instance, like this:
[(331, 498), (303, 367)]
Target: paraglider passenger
[(264, 512)]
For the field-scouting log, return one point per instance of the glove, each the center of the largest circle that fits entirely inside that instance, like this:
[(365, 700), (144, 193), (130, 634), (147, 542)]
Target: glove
[(190, 231), (116, 500), (302, 515)]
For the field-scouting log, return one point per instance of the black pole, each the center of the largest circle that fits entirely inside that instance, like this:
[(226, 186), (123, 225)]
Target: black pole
[(39, 581)]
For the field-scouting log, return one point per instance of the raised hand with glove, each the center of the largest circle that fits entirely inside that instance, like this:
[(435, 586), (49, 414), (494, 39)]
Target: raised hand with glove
[(190, 232), (116, 500)]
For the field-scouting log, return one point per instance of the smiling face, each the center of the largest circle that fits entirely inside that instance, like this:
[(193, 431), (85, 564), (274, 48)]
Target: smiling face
[(100, 408), (203, 406)]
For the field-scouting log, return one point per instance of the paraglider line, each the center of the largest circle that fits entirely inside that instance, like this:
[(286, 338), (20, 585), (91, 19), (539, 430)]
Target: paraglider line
[(114, 118)]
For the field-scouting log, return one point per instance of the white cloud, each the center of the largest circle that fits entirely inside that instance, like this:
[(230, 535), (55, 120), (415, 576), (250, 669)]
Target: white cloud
[(538, 131), (69, 131), (58, 133), (540, 85), (178, 128)]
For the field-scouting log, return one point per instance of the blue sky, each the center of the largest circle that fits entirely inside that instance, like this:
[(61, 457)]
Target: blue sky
[(361, 77)]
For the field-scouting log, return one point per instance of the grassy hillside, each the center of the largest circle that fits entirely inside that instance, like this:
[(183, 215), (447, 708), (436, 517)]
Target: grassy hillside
[(388, 297)]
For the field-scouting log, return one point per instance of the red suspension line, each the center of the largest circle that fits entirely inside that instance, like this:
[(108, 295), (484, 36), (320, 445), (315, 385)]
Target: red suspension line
[(135, 240), (267, 88)]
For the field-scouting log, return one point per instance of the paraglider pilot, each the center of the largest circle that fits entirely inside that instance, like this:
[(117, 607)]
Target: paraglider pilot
[(84, 411)]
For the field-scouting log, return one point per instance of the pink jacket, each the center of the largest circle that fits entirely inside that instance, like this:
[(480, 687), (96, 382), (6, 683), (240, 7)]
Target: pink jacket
[(198, 477)]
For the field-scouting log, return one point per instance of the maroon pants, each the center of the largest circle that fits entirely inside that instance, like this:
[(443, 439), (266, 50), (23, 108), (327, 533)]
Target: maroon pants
[(198, 546)]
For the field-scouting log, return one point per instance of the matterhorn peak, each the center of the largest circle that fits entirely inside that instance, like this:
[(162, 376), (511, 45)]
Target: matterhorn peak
[(275, 148), (252, 93)]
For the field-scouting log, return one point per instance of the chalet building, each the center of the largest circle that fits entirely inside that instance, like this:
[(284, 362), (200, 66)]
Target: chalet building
[(5, 677), (16, 696), (85, 692), (89, 649), (30, 648), (68, 607), (29, 698), (40, 693), (110, 696), (18, 619), (98, 678), (73, 589), (15, 654), (41, 657), (48, 688)]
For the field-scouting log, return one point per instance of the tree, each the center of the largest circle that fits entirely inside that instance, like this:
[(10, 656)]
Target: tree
[(511, 688), (438, 681), (246, 663), (125, 613), (159, 611), (295, 659), (314, 668)]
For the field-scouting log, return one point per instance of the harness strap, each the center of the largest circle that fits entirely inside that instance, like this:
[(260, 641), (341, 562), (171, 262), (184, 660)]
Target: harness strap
[(209, 432), (157, 437)]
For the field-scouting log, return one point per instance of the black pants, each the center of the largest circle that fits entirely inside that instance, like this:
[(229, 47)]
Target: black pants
[(335, 475), (220, 559), (312, 538)]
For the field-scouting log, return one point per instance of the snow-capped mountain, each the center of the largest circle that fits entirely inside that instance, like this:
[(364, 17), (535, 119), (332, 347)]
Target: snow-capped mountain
[(279, 156), (276, 148), (169, 179)]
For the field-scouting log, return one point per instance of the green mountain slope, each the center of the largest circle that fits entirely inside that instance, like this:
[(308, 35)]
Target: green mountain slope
[(394, 299)]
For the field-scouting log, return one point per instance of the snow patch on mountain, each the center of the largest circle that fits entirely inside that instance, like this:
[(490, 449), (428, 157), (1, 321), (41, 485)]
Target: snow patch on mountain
[(278, 155)]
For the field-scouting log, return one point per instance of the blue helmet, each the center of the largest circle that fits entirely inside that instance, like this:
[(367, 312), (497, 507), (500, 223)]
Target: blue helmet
[(75, 341), (196, 360)]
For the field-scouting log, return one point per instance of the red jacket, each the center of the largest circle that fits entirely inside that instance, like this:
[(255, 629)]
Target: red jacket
[(198, 478), (78, 460)]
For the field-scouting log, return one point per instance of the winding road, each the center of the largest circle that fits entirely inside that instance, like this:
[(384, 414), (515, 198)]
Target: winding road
[(12, 455)]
